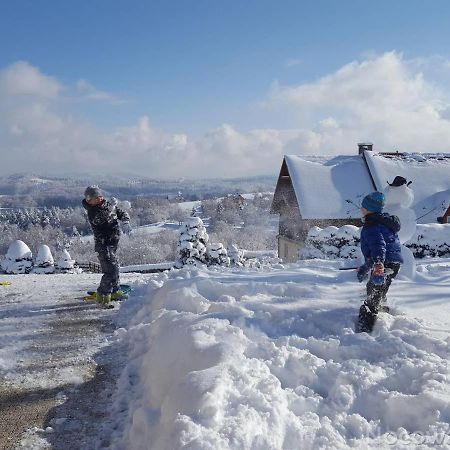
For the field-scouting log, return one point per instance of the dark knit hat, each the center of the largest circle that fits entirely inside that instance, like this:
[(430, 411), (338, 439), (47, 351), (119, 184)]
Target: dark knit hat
[(92, 192), (373, 202)]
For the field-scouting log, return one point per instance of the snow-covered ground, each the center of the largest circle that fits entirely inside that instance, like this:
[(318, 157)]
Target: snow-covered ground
[(244, 359)]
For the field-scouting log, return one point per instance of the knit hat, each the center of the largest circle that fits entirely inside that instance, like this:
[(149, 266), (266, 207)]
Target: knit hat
[(373, 202), (92, 192)]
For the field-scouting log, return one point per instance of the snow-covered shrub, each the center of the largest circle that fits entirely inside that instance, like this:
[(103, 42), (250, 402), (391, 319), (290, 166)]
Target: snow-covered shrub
[(216, 254), (332, 243), (192, 241), (44, 261), (18, 259), (65, 264), (430, 240), (236, 255)]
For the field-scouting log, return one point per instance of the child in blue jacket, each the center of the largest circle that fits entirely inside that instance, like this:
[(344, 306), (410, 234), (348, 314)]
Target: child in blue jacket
[(381, 248)]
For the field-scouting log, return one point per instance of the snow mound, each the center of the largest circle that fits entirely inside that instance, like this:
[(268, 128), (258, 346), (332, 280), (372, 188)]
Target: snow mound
[(226, 360), (18, 250), (18, 259), (44, 255), (44, 261), (65, 263)]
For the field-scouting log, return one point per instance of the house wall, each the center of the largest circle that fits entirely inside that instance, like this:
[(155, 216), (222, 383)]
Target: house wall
[(446, 217), (288, 249), (293, 231)]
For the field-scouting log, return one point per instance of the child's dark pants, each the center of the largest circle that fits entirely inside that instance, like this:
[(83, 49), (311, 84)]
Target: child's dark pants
[(110, 268), (376, 295)]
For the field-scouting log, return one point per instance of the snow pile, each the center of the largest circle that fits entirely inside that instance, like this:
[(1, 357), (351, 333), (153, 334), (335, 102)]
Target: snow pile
[(191, 248), (332, 243), (216, 254), (430, 240), (270, 361), (44, 261), (236, 255), (65, 264), (18, 259)]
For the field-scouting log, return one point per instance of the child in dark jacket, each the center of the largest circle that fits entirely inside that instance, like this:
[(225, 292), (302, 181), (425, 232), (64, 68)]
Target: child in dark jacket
[(104, 216), (381, 248)]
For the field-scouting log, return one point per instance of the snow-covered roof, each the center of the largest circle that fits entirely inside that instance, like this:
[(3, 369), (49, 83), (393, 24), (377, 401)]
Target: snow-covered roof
[(325, 186), (429, 173), (332, 187)]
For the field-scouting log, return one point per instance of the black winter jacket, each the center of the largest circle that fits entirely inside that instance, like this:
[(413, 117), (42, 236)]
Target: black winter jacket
[(104, 220)]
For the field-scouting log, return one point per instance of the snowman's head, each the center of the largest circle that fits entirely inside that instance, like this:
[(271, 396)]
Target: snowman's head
[(402, 196)]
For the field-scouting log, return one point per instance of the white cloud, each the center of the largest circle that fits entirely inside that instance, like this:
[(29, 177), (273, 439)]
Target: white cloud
[(90, 92), (22, 79), (292, 62), (385, 99)]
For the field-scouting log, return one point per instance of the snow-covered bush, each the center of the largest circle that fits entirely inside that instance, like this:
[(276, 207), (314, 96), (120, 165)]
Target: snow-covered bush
[(65, 264), (44, 261), (216, 254), (430, 240), (18, 259), (332, 243), (236, 255), (192, 241)]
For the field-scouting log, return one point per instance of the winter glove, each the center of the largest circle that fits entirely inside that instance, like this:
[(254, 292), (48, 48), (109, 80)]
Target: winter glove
[(362, 273), (126, 227), (378, 275)]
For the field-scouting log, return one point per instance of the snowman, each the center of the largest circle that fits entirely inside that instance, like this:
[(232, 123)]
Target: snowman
[(399, 198)]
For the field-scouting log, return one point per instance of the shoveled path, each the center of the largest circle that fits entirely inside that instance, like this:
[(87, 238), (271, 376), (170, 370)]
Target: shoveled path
[(58, 362)]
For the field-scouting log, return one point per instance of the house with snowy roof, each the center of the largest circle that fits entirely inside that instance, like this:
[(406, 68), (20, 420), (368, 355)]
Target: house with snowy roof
[(328, 190)]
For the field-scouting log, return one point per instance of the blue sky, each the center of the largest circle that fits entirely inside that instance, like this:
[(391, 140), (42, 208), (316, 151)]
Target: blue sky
[(192, 66)]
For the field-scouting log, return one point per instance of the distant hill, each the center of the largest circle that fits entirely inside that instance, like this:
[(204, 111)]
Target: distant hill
[(37, 190)]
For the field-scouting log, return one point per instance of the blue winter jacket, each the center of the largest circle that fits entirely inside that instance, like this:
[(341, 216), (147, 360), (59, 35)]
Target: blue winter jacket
[(379, 239)]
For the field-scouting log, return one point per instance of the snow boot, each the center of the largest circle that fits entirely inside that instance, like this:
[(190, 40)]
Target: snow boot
[(366, 319), (104, 300)]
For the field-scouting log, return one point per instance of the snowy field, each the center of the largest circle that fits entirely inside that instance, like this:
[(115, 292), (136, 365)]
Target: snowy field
[(235, 359)]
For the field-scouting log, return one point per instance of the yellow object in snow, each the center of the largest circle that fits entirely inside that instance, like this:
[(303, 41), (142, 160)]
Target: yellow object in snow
[(91, 297), (5, 283)]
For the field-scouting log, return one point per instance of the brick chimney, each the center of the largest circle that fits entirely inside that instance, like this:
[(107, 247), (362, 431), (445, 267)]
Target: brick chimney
[(364, 147)]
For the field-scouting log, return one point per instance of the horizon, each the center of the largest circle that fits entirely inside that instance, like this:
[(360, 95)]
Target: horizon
[(202, 90)]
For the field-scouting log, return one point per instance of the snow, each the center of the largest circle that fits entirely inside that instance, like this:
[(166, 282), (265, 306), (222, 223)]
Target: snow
[(44, 263), (432, 239), (323, 185), (430, 180), (148, 267), (248, 359), (18, 258), (269, 360), (18, 250), (65, 261)]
